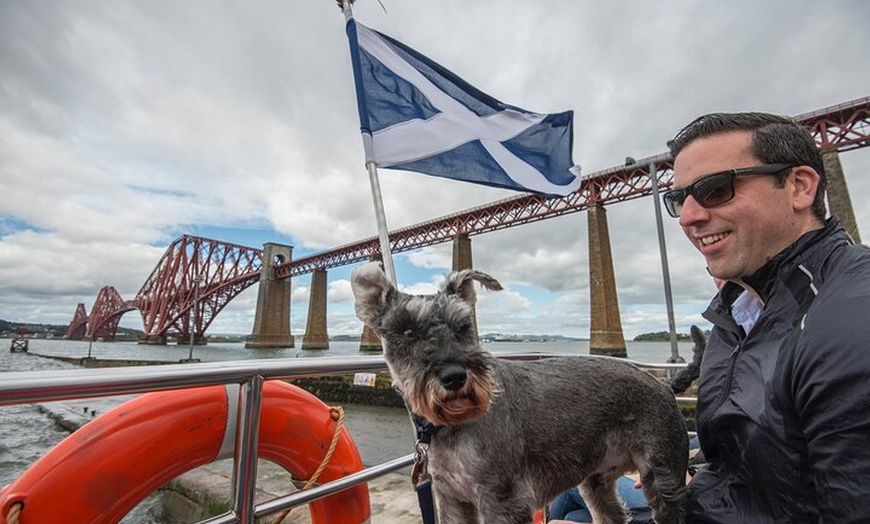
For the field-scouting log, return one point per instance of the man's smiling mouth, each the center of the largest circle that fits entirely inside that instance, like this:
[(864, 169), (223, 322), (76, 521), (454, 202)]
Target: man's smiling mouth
[(712, 239)]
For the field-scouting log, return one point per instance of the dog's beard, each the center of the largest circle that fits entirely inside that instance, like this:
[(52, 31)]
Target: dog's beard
[(449, 408)]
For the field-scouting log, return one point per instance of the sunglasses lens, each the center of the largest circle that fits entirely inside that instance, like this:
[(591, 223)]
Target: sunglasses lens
[(673, 201), (714, 190)]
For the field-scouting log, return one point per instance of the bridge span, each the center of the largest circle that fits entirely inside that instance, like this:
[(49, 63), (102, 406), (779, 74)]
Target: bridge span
[(197, 277)]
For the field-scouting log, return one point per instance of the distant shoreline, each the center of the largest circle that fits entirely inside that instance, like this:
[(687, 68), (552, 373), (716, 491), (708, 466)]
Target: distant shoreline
[(10, 329)]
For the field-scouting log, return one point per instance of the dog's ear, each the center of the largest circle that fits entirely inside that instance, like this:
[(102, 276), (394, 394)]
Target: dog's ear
[(684, 378), (370, 287), (699, 339), (461, 283)]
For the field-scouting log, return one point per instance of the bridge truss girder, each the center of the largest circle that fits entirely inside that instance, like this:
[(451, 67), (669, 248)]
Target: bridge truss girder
[(79, 324), (106, 314), (167, 298)]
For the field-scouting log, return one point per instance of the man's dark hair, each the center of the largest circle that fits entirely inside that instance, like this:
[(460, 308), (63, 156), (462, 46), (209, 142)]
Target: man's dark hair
[(775, 140)]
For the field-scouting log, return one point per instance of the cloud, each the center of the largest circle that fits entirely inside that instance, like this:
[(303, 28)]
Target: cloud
[(339, 292)]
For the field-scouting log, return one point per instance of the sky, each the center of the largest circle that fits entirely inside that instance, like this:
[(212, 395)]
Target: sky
[(126, 124)]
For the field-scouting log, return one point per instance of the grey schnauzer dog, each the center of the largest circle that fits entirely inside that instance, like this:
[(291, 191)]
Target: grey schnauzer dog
[(513, 435)]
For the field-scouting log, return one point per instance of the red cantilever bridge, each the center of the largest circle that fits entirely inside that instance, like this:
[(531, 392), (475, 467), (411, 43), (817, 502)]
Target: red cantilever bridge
[(167, 299)]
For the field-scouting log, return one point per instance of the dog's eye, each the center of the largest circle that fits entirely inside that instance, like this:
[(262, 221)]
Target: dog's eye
[(409, 334)]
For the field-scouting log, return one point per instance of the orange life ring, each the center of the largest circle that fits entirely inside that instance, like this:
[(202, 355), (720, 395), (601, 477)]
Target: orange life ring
[(102, 471)]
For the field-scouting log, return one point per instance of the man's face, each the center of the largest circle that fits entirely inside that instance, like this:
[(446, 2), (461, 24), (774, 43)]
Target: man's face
[(741, 235)]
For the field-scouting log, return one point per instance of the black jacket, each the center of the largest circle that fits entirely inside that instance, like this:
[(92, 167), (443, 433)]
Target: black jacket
[(784, 413)]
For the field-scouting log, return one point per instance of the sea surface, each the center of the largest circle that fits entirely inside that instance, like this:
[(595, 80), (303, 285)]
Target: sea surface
[(26, 433)]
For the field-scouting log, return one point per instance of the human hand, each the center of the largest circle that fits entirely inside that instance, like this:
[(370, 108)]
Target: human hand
[(639, 485)]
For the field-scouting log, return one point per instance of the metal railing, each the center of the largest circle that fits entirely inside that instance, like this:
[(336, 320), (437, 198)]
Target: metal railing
[(22, 387)]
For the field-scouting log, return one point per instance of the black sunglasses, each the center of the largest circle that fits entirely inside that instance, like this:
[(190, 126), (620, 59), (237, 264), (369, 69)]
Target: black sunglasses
[(716, 189)]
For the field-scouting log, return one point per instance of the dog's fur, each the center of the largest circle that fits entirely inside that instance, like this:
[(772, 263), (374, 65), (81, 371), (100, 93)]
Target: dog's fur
[(513, 435)]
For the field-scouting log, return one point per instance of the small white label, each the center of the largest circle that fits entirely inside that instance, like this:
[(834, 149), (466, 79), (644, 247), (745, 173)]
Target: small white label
[(364, 379)]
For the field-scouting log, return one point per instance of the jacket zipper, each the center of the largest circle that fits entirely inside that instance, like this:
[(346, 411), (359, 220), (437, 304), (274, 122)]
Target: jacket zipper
[(726, 390)]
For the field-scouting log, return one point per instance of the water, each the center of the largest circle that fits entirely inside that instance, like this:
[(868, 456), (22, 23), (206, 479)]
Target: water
[(26, 433)]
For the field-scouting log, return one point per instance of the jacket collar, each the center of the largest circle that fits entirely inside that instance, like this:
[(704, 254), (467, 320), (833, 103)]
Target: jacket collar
[(786, 261), (795, 265)]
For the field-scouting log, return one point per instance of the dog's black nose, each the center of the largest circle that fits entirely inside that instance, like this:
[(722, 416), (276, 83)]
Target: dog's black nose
[(452, 377)]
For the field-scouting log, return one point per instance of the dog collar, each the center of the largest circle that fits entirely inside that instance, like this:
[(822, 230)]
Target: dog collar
[(425, 429)]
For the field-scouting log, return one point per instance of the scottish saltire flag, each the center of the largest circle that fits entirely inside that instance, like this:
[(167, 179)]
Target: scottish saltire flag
[(416, 115)]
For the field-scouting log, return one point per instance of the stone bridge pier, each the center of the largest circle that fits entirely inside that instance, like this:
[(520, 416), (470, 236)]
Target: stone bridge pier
[(272, 318), (462, 259), (605, 330), (839, 202), (369, 340), (316, 335)]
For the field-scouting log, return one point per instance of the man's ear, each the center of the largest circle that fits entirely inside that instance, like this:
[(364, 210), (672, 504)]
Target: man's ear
[(461, 283), (806, 182), (370, 287)]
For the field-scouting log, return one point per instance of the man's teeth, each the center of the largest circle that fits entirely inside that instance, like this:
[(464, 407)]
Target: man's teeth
[(712, 239)]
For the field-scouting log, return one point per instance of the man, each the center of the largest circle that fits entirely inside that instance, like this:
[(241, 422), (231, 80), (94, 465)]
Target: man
[(784, 397)]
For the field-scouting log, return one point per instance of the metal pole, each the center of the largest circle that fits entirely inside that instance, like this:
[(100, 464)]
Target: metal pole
[(247, 441), (20, 387), (368, 147), (666, 274), (196, 280), (383, 233)]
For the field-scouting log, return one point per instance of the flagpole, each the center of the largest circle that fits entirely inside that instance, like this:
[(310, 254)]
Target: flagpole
[(380, 216), (368, 147), (424, 496)]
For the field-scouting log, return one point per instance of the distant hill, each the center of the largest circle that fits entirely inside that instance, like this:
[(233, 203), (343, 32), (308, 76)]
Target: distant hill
[(10, 329), (660, 336), (501, 337)]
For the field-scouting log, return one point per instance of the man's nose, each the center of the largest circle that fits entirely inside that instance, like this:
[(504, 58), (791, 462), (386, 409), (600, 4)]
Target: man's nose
[(692, 212)]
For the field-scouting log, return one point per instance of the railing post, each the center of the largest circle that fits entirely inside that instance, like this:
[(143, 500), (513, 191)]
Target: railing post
[(247, 441), (666, 273)]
